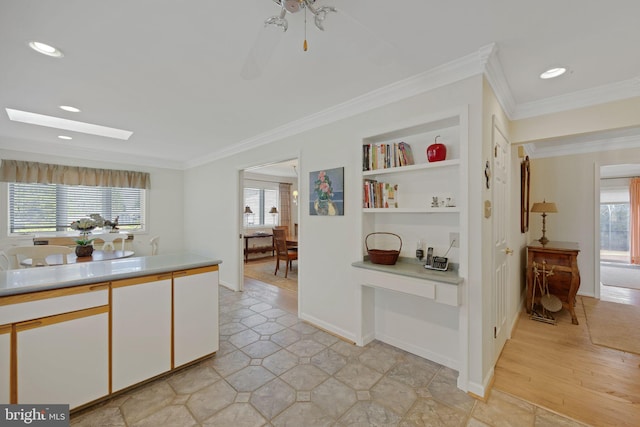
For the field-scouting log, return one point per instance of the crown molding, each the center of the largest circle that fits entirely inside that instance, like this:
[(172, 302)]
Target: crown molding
[(40, 149), (585, 98), (451, 72), (548, 149), (496, 78)]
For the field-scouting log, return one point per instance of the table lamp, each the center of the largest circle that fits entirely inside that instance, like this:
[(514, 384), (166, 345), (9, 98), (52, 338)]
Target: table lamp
[(274, 212), (544, 207), (247, 212)]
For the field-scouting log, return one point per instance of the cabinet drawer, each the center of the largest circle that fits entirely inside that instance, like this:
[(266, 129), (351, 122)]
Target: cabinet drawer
[(443, 293), (19, 308)]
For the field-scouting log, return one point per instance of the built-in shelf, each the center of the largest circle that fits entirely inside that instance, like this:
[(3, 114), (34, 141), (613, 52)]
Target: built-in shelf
[(412, 168), (453, 209)]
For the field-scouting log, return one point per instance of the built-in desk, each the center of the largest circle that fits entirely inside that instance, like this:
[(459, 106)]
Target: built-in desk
[(565, 281), (410, 307)]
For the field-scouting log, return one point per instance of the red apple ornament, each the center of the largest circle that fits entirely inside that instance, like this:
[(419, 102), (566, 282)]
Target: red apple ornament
[(436, 152)]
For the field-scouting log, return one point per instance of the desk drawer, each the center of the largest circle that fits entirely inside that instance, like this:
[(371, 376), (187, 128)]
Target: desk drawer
[(18, 308)]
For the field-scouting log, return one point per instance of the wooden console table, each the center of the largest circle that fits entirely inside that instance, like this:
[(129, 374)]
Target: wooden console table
[(565, 281), (261, 249)]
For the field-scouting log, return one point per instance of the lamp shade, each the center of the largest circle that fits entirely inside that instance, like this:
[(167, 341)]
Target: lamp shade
[(544, 207), (273, 210), (247, 210)]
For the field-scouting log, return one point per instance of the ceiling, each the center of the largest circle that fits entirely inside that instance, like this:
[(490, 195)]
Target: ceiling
[(170, 71)]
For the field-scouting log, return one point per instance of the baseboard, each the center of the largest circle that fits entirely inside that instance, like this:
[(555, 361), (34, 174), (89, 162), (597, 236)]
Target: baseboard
[(420, 351), (229, 286), (345, 335), (481, 391)]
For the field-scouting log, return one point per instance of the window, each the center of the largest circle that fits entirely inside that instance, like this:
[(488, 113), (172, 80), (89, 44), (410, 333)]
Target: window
[(52, 207), (614, 226), (260, 200)]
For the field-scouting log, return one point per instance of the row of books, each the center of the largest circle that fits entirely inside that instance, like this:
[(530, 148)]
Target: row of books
[(382, 156), (379, 194)]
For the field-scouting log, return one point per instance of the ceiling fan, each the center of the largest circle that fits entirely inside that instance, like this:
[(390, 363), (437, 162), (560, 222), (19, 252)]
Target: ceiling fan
[(267, 41)]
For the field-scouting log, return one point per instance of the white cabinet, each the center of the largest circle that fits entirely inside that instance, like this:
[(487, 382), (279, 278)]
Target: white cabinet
[(5, 363), (195, 308), (64, 358), (141, 329), (60, 351)]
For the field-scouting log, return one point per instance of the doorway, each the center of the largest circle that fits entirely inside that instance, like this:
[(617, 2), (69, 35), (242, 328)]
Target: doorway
[(269, 195), (619, 278)]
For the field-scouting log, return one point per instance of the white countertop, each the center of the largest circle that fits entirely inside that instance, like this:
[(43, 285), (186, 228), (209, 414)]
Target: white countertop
[(61, 276)]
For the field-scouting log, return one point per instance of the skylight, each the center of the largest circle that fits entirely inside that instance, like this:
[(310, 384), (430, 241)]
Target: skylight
[(72, 125)]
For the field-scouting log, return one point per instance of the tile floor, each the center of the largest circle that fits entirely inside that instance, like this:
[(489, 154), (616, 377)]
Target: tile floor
[(274, 370)]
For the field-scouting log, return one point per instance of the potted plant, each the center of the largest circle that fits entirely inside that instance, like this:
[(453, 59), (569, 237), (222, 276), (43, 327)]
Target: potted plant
[(84, 248)]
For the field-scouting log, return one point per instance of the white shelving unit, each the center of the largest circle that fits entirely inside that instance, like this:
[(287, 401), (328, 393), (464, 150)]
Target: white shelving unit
[(417, 216), (408, 306)]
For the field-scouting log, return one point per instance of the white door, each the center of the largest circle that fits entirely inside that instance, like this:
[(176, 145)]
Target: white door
[(195, 314), (64, 358), (501, 251), (140, 329), (5, 365)]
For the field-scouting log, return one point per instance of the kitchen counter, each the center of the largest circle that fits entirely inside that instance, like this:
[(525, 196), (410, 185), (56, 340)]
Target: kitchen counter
[(27, 280), (412, 268)]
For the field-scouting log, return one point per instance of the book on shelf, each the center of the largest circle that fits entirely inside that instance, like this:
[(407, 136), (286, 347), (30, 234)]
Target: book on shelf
[(385, 156), (379, 194)]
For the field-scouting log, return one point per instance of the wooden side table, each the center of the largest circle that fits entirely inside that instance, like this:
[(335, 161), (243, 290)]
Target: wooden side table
[(261, 249), (565, 281)]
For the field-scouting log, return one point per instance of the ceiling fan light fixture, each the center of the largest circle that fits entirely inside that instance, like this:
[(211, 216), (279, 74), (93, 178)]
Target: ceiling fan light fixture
[(45, 49), (553, 72)]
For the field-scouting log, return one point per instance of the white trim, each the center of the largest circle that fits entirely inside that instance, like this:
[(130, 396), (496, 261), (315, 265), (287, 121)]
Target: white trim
[(328, 327), (498, 81), (580, 147), (585, 98)]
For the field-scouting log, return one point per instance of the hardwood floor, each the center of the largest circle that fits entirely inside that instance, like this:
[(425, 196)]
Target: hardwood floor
[(282, 298), (558, 368)]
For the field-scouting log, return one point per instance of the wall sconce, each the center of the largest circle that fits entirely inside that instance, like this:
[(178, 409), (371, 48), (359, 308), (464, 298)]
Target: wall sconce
[(295, 197), (274, 212), (544, 207)]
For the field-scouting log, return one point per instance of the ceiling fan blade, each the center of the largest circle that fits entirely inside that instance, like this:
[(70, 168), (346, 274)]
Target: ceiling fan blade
[(261, 52)]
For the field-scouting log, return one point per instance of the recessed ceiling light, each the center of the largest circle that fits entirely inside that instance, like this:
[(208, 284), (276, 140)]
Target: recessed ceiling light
[(45, 49), (64, 137), (70, 108), (553, 72), (72, 125)]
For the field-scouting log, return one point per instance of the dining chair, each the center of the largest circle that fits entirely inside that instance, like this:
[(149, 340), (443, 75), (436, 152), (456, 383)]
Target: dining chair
[(292, 246), (154, 245), (4, 261), (282, 251), (38, 254), (109, 238)]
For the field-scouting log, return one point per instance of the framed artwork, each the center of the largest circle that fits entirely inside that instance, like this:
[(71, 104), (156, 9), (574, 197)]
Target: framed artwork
[(326, 192), (525, 178)]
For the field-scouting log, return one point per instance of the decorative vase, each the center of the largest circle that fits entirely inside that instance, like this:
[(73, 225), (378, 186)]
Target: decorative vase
[(322, 206), (84, 251), (437, 151)]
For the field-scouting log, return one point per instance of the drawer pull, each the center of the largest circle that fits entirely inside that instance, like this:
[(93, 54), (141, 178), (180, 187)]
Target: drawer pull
[(179, 273), (98, 287), (164, 276)]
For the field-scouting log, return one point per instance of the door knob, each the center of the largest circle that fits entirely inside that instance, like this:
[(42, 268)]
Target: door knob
[(508, 251)]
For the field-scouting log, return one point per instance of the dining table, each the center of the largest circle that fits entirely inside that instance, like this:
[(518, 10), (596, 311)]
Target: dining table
[(97, 255)]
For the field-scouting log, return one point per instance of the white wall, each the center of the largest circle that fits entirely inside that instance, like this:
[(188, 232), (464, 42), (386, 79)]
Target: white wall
[(164, 203), (570, 182), (328, 245)]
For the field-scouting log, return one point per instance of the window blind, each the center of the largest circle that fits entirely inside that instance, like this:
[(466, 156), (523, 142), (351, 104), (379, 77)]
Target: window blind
[(53, 207)]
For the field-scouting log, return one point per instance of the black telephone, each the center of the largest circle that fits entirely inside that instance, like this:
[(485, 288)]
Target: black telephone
[(440, 263), (429, 257)]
